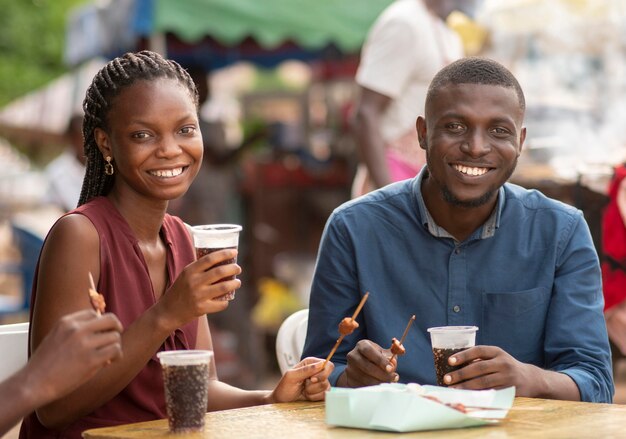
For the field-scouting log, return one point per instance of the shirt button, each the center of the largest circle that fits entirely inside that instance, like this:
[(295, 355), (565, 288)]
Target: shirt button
[(457, 250), (456, 308)]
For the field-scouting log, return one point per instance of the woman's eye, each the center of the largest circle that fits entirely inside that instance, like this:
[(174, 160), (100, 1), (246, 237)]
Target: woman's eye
[(140, 135), (188, 130)]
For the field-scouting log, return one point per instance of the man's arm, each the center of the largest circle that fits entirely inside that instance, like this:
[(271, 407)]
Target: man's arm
[(335, 294), (366, 130)]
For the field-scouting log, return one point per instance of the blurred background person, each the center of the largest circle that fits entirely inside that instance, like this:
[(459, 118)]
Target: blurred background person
[(407, 44), (66, 172), (614, 263)]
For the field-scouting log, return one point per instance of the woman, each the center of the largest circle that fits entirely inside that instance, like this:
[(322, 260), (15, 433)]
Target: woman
[(143, 149)]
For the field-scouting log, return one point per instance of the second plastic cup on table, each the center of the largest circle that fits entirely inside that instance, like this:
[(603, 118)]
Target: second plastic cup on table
[(186, 382), (210, 238), (447, 341)]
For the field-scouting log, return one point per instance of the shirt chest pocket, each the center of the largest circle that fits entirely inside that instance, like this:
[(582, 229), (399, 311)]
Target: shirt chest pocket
[(515, 321)]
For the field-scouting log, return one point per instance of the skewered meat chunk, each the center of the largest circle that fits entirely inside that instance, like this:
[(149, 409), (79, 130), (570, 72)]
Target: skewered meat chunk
[(97, 301), (347, 326), (396, 347)]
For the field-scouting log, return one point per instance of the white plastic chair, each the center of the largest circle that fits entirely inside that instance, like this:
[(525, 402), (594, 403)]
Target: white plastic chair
[(290, 339), (14, 348)]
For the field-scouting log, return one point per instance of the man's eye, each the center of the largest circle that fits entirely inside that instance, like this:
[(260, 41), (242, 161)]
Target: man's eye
[(455, 127), (499, 131)]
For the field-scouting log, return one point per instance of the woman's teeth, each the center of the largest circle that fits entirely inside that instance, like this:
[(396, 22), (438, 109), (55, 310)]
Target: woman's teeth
[(167, 172)]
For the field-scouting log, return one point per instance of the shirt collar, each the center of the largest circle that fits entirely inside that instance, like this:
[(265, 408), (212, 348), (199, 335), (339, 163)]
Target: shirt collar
[(487, 230)]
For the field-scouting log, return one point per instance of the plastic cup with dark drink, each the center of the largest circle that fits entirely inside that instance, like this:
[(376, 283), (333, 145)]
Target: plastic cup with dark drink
[(447, 341), (210, 238), (186, 382)]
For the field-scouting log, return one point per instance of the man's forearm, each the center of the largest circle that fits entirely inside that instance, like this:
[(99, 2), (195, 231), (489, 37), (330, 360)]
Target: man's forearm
[(554, 385)]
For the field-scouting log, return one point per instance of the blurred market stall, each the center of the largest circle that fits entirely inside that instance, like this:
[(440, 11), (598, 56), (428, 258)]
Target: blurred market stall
[(570, 58), (41, 117), (217, 33)]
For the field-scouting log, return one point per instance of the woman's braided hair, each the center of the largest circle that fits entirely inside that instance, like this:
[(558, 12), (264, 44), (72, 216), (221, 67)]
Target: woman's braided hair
[(106, 85)]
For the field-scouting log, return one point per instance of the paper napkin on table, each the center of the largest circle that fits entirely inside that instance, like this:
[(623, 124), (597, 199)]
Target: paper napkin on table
[(404, 407)]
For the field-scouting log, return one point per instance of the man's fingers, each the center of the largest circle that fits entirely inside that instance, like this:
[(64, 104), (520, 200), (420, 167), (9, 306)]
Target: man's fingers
[(375, 354), (483, 382), (471, 354)]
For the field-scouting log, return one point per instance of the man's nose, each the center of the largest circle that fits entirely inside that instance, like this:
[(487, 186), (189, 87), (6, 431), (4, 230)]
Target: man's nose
[(476, 144)]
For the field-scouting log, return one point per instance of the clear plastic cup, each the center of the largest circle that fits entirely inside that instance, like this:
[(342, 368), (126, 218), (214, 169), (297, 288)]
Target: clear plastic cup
[(447, 341), (210, 238), (186, 384)]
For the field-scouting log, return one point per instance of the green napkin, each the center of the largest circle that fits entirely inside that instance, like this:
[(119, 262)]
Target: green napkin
[(403, 407)]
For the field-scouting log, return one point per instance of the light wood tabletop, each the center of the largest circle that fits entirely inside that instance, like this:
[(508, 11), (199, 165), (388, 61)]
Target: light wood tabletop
[(528, 418)]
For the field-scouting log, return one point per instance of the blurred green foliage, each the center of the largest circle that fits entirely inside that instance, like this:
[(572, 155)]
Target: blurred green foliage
[(32, 36)]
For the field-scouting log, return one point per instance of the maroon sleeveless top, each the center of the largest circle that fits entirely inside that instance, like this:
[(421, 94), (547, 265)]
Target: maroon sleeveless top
[(127, 289)]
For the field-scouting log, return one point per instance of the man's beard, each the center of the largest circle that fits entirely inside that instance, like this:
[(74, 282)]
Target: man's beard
[(476, 202)]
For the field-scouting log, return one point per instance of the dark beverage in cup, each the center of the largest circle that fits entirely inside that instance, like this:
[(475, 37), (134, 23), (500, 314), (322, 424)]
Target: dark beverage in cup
[(447, 341), (442, 367), (213, 237), (186, 383)]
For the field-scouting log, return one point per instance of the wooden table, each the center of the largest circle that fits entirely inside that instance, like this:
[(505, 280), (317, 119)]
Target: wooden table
[(528, 418)]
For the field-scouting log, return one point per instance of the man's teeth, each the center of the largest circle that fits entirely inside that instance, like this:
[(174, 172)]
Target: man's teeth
[(167, 172), (470, 171)]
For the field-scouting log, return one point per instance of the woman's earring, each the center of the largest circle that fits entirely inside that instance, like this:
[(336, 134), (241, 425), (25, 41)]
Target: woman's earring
[(108, 167)]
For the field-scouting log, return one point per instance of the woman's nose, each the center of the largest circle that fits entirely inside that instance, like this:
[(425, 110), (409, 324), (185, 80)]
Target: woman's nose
[(169, 147)]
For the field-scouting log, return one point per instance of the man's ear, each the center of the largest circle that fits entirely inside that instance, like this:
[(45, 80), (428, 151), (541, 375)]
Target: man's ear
[(522, 138), (103, 142), (420, 127)]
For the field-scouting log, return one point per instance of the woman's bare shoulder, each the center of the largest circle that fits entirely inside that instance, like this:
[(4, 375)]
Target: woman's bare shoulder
[(75, 233)]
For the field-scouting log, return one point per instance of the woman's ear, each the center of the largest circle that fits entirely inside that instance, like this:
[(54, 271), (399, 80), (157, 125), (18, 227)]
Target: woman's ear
[(102, 140)]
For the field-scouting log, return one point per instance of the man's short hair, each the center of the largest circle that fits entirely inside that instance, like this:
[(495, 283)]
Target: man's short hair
[(475, 70)]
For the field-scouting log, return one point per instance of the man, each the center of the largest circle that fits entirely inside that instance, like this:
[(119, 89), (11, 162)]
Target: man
[(405, 47), (457, 245)]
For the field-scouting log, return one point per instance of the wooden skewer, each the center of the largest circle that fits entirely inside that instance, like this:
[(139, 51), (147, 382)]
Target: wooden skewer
[(93, 285), (406, 331), (356, 312)]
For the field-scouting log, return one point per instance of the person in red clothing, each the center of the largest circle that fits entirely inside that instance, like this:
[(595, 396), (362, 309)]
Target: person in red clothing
[(144, 148), (614, 260)]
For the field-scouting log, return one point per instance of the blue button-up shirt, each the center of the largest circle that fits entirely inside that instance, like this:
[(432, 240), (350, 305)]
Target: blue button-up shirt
[(529, 278)]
